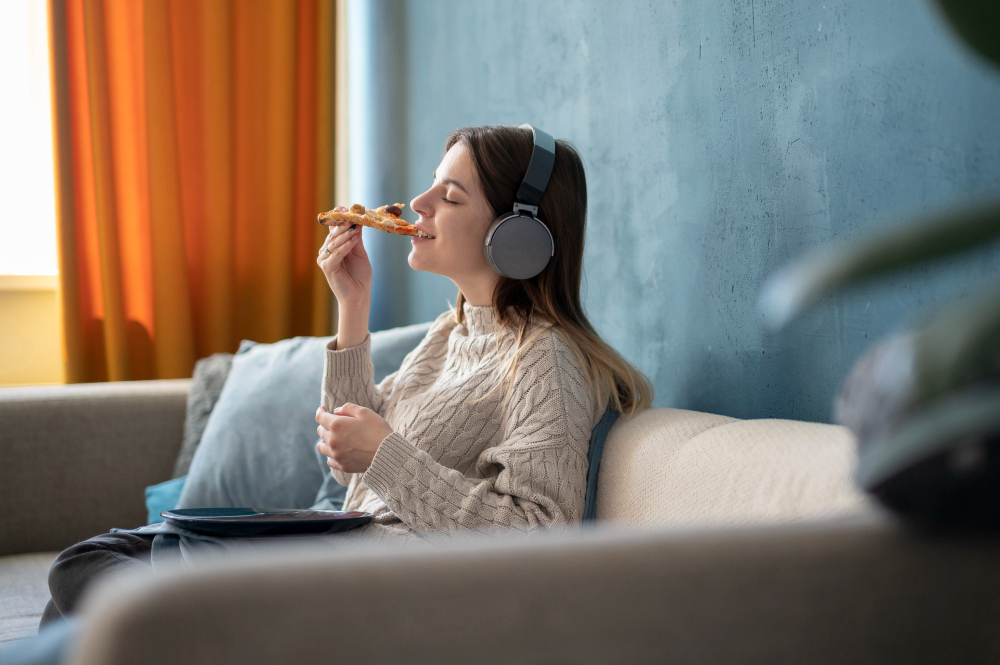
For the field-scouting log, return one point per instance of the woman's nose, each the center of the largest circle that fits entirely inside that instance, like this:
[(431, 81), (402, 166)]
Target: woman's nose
[(421, 204)]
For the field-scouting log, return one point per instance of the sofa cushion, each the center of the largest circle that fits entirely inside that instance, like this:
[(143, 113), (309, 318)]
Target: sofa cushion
[(684, 468), (24, 590), (124, 436)]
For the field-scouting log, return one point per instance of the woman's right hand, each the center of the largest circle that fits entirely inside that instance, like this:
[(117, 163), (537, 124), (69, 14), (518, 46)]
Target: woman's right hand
[(348, 271)]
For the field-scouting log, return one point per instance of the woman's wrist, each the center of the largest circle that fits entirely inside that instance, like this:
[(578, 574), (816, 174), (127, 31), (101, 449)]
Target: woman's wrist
[(352, 327)]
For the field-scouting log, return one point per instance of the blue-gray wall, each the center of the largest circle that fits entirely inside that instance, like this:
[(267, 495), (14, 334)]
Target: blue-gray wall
[(721, 139)]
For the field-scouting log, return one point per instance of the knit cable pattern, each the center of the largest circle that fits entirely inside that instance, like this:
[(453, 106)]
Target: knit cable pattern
[(458, 459)]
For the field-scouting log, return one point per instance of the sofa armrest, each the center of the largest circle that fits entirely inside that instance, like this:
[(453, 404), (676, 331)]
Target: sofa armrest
[(854, 590), (75, 458)]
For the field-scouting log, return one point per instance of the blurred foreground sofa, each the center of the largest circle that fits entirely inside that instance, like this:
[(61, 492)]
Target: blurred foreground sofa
[(717, 541)]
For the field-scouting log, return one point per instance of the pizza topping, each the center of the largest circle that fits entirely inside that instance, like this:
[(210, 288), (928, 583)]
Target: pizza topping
[(385, 218)]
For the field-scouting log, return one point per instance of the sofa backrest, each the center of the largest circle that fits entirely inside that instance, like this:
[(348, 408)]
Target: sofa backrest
[(685, 468)]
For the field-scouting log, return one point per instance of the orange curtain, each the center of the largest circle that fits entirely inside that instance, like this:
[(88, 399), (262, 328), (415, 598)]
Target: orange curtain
[(194, 147)]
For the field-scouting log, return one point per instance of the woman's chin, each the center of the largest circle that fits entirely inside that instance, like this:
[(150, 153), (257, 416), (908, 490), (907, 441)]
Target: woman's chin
[(418, 261), (414, 260)]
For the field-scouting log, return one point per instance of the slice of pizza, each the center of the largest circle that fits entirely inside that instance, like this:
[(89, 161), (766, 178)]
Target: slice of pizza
[(385, 218)]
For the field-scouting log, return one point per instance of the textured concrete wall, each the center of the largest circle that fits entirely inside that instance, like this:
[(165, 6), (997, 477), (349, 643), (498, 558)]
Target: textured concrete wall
[(721, 139)]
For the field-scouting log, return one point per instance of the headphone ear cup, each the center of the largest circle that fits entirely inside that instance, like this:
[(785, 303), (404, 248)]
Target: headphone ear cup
[(518, 246)]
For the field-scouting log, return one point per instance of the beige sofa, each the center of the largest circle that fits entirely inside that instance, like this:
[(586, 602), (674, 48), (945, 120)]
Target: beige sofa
[(718, 541)]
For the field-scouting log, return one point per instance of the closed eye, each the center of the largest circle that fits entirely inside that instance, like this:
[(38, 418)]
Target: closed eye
[(449, 201)]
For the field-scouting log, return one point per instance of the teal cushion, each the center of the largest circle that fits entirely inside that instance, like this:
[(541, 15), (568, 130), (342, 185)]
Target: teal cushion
[(594, 453), (163, 497), (259, 445)]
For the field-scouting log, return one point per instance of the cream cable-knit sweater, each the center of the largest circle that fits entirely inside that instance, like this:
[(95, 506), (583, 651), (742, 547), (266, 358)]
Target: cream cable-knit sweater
[(452, 465)]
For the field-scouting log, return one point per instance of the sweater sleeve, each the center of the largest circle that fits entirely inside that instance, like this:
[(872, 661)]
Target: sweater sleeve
[(350, 377), (535, 477)]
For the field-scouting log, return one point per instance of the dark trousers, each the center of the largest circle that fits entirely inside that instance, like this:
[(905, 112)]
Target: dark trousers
[(76, 568)]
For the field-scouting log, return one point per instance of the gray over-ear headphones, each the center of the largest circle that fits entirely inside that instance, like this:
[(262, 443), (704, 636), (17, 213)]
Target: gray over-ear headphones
[(518, 245)]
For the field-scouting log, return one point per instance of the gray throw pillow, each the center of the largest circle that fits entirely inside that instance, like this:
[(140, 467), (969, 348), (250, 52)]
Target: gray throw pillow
[(209, 377), (258, 447)]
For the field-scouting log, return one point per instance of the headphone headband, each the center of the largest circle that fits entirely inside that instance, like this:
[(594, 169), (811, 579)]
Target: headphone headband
[(518, 245), (536, 178)]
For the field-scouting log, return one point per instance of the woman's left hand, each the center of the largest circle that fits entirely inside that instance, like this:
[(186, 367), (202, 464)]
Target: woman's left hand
[(350, 436)]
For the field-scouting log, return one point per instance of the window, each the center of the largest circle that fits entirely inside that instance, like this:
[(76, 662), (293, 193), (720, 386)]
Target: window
[(27, 189)]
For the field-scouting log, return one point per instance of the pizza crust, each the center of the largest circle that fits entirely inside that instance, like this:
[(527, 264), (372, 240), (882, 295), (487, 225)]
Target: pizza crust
[(380, 218)]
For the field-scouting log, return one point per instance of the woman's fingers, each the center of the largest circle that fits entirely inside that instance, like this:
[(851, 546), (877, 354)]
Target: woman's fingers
[(335, 237), (333, 249), (326, 243), (341, 247), (341, 230), (337, 229), (344, 262), (324, 450), (342, 238), (360, 247), (335, 232), (328, 453), (325, 446)]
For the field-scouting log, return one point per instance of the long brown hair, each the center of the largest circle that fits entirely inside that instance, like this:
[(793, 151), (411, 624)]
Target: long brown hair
[(552, 298)]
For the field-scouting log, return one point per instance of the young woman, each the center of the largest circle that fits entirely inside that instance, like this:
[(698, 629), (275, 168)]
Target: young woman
[(486, 423)]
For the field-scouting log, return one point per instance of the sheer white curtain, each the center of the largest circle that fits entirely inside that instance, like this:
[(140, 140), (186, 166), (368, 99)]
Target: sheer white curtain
[(27, 216)]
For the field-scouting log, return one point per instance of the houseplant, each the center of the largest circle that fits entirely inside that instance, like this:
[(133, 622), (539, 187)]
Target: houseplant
[(926, 405)]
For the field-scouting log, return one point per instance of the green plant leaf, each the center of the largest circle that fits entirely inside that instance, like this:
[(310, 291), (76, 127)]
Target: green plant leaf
[(791, 290), (977, 22), (959, 346)]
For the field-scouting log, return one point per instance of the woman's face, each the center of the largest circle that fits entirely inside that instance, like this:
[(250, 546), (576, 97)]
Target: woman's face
[(454, 210)]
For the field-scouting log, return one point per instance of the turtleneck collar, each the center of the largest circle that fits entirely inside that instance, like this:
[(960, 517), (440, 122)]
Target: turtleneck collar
[(479, 320)]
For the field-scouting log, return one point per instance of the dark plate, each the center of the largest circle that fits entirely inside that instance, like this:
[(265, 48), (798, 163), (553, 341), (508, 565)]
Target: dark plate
[(263, 521)]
